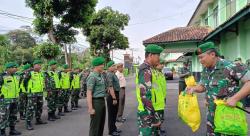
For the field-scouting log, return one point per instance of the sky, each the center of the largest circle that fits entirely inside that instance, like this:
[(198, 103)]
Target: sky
[(147, 18)]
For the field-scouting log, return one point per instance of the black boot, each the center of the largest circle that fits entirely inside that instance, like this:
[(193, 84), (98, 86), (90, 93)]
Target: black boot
[(3, 133), (22, 116), (73, 107), (66, 109), (40, 122), (50, 117), (60, 112), (29, 126), (54, 116), (14, 132)]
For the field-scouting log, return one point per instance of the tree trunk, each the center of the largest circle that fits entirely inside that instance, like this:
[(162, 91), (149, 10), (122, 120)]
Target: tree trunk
[(66, 54), (69, 57)]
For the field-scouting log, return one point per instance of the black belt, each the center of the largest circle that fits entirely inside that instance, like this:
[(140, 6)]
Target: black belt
[(98, 98)]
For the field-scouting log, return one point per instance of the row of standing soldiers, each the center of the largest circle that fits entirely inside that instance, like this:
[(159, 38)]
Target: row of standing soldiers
[(24, 92)]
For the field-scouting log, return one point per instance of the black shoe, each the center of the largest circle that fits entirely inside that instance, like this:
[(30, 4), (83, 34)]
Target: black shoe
[(50, 118), (120, 120), (22, 117), (29, 126), (73, 108), (115, 134), (61, 114), (40, 122), (118, 131), (14, 132), (55, 117), (3, 133), (67, 111)]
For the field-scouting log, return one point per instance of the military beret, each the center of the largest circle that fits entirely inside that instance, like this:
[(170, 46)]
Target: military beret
[(155, 49), (110, 63), (98, 61), (65, 66), (205, 47), (237, 59), (52, 62), (26, 66), (10, 65), (37, 62)]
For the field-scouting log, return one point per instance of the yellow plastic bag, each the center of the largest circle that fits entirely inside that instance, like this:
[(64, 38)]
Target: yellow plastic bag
[(190, 81), (189, 111)]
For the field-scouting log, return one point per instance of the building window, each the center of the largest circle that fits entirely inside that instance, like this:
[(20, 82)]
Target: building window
[(215, 16), (206, 21), (231, 8)]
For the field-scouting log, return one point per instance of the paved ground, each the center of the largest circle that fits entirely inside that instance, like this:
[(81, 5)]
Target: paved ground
[(77, 122)]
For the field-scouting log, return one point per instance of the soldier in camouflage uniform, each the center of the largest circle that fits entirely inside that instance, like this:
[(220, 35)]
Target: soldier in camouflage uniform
[(65, 79), (75, 87), (9, 93), (52, 85), (34, 85), (23, 95), (148, 120), (220, 80)]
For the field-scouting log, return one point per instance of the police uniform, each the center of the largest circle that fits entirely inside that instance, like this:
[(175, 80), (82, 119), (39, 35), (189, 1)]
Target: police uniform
[(220, 82), (52, 85), (146, 114), (34, 84), (95, 84), (9, 93)]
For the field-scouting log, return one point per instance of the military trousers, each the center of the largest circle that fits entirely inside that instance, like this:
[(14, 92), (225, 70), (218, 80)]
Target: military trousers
[(112, 112), (8, 112), (122, 96), (22, 103), (52, 100), (97, 121), (75, 97), (34, 106)]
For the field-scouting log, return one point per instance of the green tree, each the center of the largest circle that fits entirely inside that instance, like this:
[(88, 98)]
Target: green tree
[(69, 14), (104, 32), (47, 50), (21, 39)]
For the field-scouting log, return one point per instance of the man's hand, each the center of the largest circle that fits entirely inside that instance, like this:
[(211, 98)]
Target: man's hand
[(156, 124), (190, 90), (91, 111), (231, 102), (114, 101)]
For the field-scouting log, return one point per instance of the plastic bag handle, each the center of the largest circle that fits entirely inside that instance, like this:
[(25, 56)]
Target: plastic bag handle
[(248, 112)]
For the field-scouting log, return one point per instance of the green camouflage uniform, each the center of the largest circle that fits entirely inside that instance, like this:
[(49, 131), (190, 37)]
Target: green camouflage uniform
[(75, 87), (52, 91), (147, 117), (8, 106), (221, 82)]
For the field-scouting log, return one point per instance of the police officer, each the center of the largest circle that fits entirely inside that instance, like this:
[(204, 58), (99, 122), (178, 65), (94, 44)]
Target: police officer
[(34, 84), (95, 97), (9, 93), (52, 85), (75, 87), (65, 80), (219, 80), (161, 93), (113, 98), (23, 94), (149, 120)]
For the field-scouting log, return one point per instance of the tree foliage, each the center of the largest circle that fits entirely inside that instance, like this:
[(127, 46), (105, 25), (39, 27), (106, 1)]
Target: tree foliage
[(104, 31), (21, 39), (69, 14), (47, 50)]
